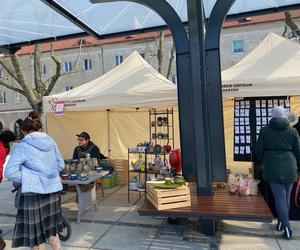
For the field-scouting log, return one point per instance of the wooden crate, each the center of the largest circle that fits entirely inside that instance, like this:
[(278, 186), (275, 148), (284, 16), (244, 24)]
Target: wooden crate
[(164, 199), (121, 168)]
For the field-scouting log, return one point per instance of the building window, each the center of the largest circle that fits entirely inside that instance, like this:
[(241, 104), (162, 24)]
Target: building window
[(17, 98), (174, 79), (68, 87), (68, 66), (2, 97), (43, 69), (88, 64), (118, 60), (1, 74), (238, 47)]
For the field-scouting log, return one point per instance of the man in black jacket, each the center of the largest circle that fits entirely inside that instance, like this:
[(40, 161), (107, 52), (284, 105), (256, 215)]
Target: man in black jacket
[(86, 146)]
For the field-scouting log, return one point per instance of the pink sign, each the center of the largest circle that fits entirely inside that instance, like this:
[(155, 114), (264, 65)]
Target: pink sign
[(59, 107)]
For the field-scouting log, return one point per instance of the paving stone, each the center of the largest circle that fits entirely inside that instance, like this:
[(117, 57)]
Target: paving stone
[(242, 242), (132, 216), (85, 234), (120, 200), (106, 213), (292, 244), (7, 224), (247, 228), (164, 244), (126, 237)]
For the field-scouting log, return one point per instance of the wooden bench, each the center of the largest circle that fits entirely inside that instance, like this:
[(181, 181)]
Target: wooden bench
[(220, 206)]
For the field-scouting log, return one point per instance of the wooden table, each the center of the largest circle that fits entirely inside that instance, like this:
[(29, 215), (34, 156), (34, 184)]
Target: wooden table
[(89, 197)]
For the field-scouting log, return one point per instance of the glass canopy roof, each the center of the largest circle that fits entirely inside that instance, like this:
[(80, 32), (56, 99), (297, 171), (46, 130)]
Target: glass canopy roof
[(28, 21)]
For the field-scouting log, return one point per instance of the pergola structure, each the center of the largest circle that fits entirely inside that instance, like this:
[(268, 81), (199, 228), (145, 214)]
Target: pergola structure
[(197, 58)]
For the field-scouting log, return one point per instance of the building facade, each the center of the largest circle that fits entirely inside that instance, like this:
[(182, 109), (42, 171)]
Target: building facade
[(95, 58)]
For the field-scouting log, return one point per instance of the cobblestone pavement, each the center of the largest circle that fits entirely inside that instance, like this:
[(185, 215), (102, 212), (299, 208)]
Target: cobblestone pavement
[(117, 225)]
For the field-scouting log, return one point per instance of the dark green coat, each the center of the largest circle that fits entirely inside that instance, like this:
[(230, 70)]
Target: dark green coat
[(278, 149)]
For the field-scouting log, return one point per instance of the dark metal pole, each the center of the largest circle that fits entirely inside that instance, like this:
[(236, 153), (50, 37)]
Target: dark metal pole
[(214, 83), (200, 108), (199, 98)]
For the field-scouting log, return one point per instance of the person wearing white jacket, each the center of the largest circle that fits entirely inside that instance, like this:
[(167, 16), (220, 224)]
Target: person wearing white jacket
[(35, 163)]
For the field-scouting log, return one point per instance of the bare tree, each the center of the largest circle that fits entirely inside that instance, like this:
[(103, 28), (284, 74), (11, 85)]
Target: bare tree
[(41, 87), (291, 28), (158, 52)]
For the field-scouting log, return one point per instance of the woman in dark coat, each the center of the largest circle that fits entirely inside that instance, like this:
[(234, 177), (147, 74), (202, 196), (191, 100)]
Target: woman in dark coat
[(278, 149)]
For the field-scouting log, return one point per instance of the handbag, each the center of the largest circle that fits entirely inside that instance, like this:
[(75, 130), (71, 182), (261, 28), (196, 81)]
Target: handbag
[(297, 193)]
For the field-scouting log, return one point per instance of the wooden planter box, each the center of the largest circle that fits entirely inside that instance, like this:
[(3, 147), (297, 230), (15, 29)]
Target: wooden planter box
[(164, 199)]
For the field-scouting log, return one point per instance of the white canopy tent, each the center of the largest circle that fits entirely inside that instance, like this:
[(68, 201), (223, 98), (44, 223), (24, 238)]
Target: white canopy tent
[(132, 84), (272, 69), (113, 108)]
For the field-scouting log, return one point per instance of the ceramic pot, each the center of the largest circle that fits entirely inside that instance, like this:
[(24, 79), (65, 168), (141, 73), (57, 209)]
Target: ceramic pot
[(157, 149), (167, 148), (65, 177), (159, 121)]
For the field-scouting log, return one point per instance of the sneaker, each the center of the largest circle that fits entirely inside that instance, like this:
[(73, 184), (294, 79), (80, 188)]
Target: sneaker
[(279, 226), (288, 233)]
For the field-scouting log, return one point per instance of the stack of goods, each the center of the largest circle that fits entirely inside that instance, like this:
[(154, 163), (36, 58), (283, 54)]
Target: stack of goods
[(242, 184), (135, 185), (84, 167), (150, 148)]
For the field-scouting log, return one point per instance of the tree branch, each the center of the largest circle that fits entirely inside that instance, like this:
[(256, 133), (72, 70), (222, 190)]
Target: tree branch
[(8, 69), (171, 60), (291, 23), (9, 86), (29, 93), (160, 55), (37, 66), (50, 83), (52, 80)]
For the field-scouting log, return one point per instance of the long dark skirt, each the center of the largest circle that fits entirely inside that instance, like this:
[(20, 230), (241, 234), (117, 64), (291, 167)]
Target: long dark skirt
[(38, 218)]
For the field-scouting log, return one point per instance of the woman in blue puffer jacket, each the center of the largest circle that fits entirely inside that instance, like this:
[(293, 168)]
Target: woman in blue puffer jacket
[(35, 163)]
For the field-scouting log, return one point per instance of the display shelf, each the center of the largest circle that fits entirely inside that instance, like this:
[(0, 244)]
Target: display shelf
[(149, 153), (138, 191), (142, 172), (161, 128), (161, 124)]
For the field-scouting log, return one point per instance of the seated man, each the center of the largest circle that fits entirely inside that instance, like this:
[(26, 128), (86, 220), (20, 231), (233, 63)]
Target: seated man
[(86, 146)]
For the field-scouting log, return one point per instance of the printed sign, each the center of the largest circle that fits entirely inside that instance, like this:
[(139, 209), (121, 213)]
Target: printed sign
[(59, 107)]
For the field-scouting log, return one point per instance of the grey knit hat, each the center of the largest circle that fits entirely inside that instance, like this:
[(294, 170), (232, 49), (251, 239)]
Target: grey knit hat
[(278, 112)]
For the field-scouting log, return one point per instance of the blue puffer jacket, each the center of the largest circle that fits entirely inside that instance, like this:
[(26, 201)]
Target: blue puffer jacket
[(35, 163)]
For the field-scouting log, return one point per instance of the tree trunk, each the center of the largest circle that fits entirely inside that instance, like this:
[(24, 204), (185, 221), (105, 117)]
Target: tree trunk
[(291, 23), (160, 55), (171, 61), (38, 107)]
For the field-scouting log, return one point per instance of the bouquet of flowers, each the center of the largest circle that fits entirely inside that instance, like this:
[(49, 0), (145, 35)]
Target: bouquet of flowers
[(242, 184)]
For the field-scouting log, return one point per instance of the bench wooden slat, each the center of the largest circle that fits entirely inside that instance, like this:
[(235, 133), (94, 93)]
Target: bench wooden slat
[(220, 205)]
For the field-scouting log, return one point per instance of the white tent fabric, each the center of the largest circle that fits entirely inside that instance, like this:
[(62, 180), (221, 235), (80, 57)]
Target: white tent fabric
[(132, 84), (272, 69)]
